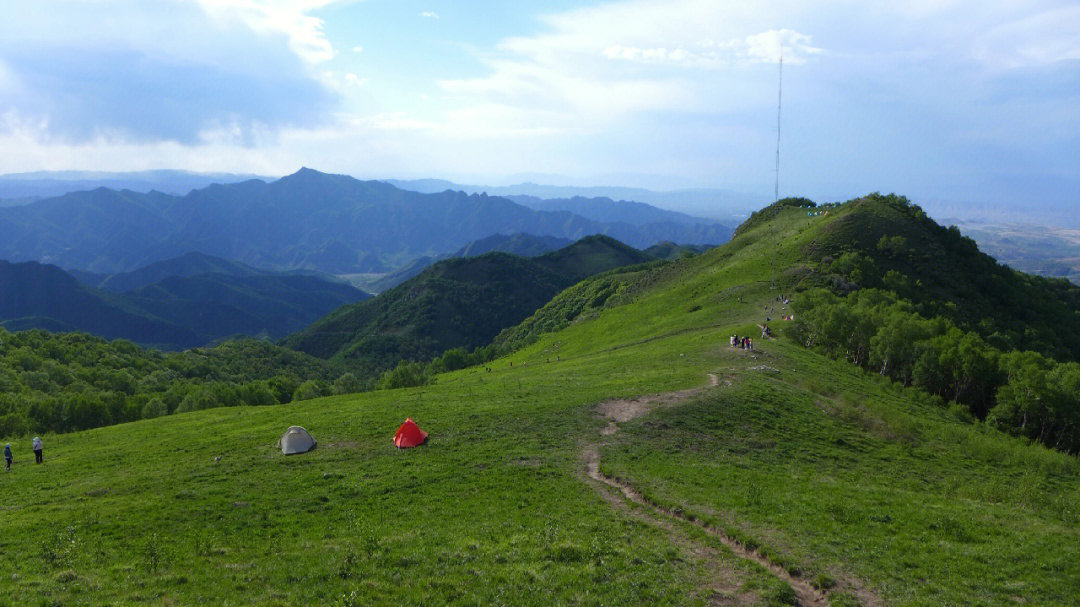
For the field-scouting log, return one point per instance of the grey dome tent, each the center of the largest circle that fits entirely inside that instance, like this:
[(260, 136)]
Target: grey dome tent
[(296, 440)]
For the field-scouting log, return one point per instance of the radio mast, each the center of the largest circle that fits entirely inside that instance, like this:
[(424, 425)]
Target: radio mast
[(779, 99)]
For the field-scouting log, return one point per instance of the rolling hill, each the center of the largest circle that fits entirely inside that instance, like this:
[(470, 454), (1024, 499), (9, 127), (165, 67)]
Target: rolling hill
[(525, 245), (672, 251), (33, 295), (309, 220), (456, 303), (623, 453), (190, 264)]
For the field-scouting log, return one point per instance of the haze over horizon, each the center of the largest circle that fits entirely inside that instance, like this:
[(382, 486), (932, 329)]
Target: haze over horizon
[(949, 103)]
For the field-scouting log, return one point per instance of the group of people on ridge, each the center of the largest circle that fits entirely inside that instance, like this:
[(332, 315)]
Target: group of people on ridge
[(9, 457), (742, 342)]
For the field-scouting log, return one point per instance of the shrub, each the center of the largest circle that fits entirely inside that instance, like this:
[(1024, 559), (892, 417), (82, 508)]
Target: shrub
[(309, 390), (155, 407), (405, 375)]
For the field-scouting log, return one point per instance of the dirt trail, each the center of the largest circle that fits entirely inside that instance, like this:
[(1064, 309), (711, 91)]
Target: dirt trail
[(623, 410)]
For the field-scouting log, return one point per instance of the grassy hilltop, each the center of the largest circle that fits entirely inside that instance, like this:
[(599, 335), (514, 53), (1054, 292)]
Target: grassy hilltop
[(874, 493)]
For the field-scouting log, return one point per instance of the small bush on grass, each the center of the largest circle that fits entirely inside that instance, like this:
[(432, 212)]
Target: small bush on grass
[(823, 581), (61, 551)]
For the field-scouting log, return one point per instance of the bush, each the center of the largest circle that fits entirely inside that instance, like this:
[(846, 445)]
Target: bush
[(405, 375), (348, 383), (155, 407), (201, 398), (309, 390)]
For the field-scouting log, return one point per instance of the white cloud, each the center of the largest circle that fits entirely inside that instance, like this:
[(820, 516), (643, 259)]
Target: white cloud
[(429, 15), (767, 47), (1050, 36), (288, 17), (600, 65), (764, 47), (161, 70)]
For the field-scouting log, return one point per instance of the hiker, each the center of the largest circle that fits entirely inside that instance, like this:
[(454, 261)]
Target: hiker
[(7, 455), (749, 344), (37, 450)]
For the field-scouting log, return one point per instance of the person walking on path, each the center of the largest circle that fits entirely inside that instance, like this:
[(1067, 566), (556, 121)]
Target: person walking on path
[(37, 450), (7, 455)]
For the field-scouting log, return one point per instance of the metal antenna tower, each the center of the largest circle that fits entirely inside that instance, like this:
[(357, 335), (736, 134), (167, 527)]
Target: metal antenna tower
[(779, 99)]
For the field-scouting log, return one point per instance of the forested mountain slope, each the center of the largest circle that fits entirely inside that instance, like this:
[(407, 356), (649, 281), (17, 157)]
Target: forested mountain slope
[(456, 303)]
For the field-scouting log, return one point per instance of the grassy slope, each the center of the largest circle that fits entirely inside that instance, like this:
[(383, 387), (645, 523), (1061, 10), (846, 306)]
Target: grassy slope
[(829, 470)]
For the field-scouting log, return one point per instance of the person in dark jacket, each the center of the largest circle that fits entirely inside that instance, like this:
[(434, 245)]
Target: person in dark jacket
[(37, 450), (7, 455)]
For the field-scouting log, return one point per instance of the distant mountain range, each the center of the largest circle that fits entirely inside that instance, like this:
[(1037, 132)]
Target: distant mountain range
[(456, 303), (181, 303), (309, 220), (22, 188), (722, 205)]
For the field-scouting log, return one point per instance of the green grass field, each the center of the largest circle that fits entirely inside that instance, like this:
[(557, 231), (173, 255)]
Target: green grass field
[(837, 476)]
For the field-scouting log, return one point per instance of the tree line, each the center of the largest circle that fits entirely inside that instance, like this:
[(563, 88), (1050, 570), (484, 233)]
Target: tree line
[(64, 382)]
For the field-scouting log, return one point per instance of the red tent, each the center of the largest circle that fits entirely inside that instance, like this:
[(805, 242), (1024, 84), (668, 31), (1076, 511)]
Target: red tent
[(409, 435)]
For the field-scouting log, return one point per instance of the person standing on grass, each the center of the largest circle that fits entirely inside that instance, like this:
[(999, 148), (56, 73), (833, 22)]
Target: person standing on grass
[(7, 455), (37, 450)]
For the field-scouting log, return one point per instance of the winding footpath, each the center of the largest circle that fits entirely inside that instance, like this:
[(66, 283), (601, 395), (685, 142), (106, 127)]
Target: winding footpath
[(623, 410)]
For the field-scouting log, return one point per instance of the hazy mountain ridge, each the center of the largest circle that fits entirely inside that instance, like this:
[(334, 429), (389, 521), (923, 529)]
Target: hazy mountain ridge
[(24, 188), (34, 295), (722, 205), (608, 210), (178, 311)]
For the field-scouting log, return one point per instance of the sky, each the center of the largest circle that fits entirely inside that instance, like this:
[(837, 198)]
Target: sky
[(946, 101)]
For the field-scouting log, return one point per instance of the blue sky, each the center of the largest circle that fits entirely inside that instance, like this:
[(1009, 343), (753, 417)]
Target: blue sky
[(946, 101)]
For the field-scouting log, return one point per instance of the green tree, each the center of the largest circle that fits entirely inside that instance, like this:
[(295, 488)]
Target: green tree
[(155, 407), (310, 389)]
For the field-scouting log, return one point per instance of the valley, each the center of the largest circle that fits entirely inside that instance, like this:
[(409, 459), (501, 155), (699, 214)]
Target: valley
[(793, 477)]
